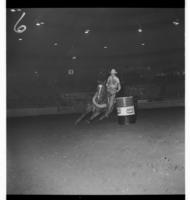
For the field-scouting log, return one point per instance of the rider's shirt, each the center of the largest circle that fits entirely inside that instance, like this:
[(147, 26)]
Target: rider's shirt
[(113, 84)]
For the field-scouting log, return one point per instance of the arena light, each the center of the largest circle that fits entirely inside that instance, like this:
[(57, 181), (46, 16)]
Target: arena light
[(140, 30), (20, 39), (19, 10), (42, 23), (87, 31), (13, 10), (55, 44), (36, 74), (105, 47), (143, 44), (37, 24), (176, 23), (74, 57)]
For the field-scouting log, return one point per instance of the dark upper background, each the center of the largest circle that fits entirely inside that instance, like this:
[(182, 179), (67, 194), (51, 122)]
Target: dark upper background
[(38, 59)]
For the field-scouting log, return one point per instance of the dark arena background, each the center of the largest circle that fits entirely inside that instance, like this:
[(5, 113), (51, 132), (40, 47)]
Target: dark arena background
[(53, 64)]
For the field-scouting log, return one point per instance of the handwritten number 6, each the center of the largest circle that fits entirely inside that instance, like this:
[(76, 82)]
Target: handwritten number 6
[(21, 28)]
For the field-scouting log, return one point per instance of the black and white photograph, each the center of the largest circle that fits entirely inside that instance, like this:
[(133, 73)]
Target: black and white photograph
[(95, 101)]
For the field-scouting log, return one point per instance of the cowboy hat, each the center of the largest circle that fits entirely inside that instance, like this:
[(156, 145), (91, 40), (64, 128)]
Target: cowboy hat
[(113, 71)]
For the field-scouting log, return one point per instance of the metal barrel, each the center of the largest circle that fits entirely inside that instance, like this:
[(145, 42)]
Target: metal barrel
[(126, 111), (124, 101)]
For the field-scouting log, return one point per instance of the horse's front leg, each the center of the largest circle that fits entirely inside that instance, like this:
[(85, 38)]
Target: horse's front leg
[(82, 117), (111, 102), (95, 114)]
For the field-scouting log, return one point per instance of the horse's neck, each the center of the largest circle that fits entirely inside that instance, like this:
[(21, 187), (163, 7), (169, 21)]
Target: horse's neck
[(102, 94)]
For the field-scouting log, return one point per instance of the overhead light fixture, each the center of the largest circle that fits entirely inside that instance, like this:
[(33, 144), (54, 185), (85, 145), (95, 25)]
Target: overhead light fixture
[(42, 23), (13, 10), (87, 31), (74, 57), (55, 44), (19, 10), (143, 44), (140, 30), (20, 39), (176, 23), (105, 47), (37, 24)]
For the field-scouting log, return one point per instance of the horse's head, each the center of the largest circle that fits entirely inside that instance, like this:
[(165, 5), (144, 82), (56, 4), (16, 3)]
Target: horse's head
[(100, 98), (101, 89)]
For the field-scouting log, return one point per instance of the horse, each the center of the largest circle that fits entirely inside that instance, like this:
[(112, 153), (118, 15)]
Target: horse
[(97, 106)]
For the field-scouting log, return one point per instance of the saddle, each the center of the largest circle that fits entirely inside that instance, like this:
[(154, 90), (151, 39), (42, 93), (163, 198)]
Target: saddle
[(111, 91)]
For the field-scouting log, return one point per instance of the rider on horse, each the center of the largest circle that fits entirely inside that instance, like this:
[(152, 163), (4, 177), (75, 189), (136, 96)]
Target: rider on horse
[(104, 98), (113, 87)]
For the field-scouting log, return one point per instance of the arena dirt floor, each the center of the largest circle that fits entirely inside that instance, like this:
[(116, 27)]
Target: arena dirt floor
[(49, 155)]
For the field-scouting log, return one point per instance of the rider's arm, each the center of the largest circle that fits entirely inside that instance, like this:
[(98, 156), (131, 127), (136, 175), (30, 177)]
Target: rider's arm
[(107, 83), (119, 86)]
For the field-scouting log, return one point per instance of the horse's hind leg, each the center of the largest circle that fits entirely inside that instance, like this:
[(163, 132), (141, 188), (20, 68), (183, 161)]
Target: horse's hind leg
[(94, 115), (82, 117)]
